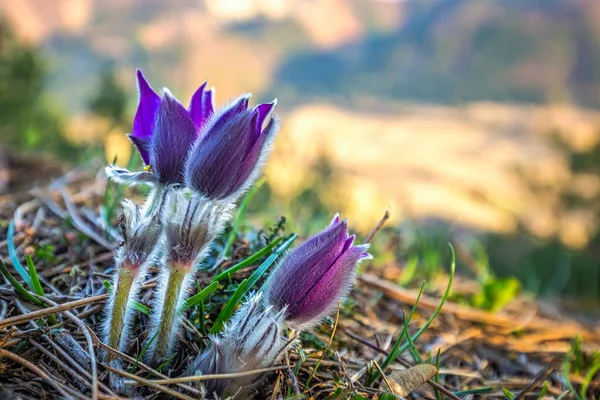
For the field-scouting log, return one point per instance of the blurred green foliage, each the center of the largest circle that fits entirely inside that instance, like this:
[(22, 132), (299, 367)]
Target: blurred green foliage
[(28, 120)]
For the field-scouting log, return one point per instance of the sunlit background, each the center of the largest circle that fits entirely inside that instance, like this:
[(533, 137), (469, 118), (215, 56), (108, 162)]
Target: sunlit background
[(474, 121)]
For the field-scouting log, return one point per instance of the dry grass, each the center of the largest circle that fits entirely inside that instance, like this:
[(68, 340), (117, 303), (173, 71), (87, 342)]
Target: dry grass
[(518, 349)]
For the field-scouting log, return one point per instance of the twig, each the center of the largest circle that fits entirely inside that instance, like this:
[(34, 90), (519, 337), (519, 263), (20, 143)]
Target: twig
[(57, 308), (86, 332), (38, 371), (197, 378), (314, 371), (404, 363), (375, 231), (543, 374), (140, 364), (148, 383)]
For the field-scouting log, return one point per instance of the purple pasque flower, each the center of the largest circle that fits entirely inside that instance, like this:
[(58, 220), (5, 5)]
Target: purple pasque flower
[(227, 158), (164, 131), (313, 277)]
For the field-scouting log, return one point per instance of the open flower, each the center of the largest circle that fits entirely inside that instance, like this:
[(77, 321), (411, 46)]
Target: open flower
[(163, 132), (227, 158), (314, 276)]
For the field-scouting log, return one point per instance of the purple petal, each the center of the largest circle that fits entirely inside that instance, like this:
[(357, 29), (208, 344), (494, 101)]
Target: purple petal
[(255, 153), (324, 295), (145, 116), (217, 158), (306, 265), (143, 146), (201, 106), (174, 134), (264, 110)]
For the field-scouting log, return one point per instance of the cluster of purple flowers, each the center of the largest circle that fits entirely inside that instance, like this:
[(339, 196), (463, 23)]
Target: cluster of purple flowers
[(199, 161)]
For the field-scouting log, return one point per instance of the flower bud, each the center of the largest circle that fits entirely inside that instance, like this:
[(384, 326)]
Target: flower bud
[(252, 340), (315, 276), (227, 158)]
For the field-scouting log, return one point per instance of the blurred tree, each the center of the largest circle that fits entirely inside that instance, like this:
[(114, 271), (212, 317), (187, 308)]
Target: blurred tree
[(110, 100), (27, 122)]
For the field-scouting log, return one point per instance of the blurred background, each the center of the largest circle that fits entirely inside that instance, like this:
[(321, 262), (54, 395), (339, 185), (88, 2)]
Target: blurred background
[(472, 121)]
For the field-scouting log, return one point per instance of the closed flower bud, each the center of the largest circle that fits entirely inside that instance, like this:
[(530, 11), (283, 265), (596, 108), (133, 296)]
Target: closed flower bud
[(315, 276), (252, 340), (163, 132), (141, 236), (228, 156)]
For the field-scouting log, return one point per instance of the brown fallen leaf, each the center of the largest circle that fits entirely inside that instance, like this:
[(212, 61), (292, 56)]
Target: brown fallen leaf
[(403, 382)]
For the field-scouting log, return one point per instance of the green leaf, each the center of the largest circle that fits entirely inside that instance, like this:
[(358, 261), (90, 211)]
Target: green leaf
[(20, 289), (248, 261), (246, 285), (200, 296), (37, 285), (508, 394), (588, 379), (474, 391), (438, 309), (12, 254), (227, 311), (496, 293)]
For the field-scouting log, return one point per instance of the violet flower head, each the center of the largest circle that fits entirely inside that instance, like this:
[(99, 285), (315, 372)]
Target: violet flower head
[(164, 131), (227, 158), (314, 276)]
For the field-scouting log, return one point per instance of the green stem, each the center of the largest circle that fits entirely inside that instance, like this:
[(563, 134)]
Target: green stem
[(122, 290), (168, 323)]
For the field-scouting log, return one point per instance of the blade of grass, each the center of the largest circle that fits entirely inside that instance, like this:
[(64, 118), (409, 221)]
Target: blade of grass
[(12, 254), (567, 373), (165, 363), (588, 379), (20, 289), (474, 391), (227, 311), (37, 285), (200, 296), (144, 349), (248, 261), (393, 354), (439, 308), (399, 350), (246, 285), (239, 217)]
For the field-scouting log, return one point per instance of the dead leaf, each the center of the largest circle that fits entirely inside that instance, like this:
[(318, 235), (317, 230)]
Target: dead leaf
[(403, 382)]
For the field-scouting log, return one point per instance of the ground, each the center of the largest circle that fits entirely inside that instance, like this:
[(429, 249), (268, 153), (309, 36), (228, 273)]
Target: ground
[(51, 349)]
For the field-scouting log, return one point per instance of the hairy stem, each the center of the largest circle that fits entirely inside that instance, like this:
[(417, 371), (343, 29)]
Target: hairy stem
[(118, 319), (166, 321)]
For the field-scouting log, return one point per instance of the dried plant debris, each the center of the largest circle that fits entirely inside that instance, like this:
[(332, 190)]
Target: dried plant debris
[(521, 352)]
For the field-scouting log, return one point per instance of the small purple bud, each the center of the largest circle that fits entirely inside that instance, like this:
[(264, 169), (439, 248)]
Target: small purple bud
[(226, 159), (314, 276)]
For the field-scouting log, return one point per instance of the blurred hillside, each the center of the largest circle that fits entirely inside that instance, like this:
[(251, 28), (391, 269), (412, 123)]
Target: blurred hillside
[(441, 110), (348, 51)]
